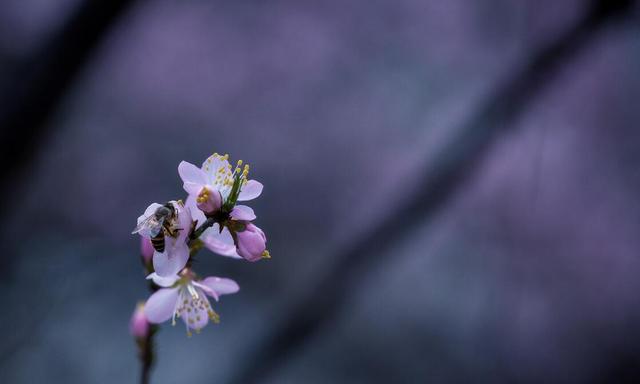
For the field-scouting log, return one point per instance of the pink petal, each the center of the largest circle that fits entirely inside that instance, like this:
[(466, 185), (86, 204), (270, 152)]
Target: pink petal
[(171, 261), (184, 222), (206, 289), (190, 174), (160, 305), (242, 212), (192, 188), (250, 191), (220, 243), (220, 285), (146, 249), (196, 214)]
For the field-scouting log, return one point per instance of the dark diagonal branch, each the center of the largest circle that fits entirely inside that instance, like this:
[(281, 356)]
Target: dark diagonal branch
[(445, 177)]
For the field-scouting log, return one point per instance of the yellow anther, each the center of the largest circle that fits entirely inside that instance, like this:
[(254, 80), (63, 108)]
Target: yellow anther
[(225, 157), (266, 254), (237, 170), (239, 163), (213, 316)]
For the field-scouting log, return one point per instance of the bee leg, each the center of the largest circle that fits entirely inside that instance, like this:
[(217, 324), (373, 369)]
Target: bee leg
[(173, 232)]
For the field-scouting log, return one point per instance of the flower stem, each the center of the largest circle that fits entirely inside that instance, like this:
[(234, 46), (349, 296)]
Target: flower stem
[(146, 358), (146, 344), (205, 225)]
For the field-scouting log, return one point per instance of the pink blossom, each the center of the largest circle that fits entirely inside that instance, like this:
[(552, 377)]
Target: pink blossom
[(139, 325), (184, 297), (216, 175)]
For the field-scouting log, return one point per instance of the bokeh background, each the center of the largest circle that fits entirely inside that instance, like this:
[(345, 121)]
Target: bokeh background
[(451, 187)]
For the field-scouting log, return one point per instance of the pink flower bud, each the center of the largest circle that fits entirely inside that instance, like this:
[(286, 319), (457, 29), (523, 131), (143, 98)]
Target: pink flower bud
[(209, 201), (146, 249), (251, 243), (139, 325)]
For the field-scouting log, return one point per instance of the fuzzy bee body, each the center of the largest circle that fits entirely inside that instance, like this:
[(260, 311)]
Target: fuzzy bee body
[(158, 242), (158, 225)]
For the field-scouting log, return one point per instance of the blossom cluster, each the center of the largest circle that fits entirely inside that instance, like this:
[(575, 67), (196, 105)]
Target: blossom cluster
[(171, 233)]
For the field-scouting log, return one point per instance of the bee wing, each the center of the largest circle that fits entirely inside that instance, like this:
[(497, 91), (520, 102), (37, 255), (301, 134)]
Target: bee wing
[(149, 227)]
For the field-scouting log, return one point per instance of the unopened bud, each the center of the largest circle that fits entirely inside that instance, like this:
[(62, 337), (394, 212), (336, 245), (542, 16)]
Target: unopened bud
[(139, 325), (251, 243)]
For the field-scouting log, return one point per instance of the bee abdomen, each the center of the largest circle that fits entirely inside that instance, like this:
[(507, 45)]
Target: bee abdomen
[(158, 242)]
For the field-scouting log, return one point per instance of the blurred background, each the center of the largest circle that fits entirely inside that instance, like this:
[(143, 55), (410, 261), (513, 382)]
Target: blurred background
[(451, 187)]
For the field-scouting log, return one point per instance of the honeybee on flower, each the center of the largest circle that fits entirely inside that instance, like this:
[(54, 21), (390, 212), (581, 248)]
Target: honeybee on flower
[(167, 226)]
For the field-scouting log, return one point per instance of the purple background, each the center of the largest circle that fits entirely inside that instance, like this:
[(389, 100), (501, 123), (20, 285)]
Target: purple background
[(439, 207)]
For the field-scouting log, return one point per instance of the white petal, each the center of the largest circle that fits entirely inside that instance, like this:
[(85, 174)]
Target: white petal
[(163, 281), (250, 191), (242, 212), (160, 305)]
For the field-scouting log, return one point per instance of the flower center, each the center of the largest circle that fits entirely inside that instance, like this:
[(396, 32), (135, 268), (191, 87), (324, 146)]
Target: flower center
[(192, 306), (224, 176)]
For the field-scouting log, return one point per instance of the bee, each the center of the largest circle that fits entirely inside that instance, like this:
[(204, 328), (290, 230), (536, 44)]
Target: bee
[(158, 225)]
